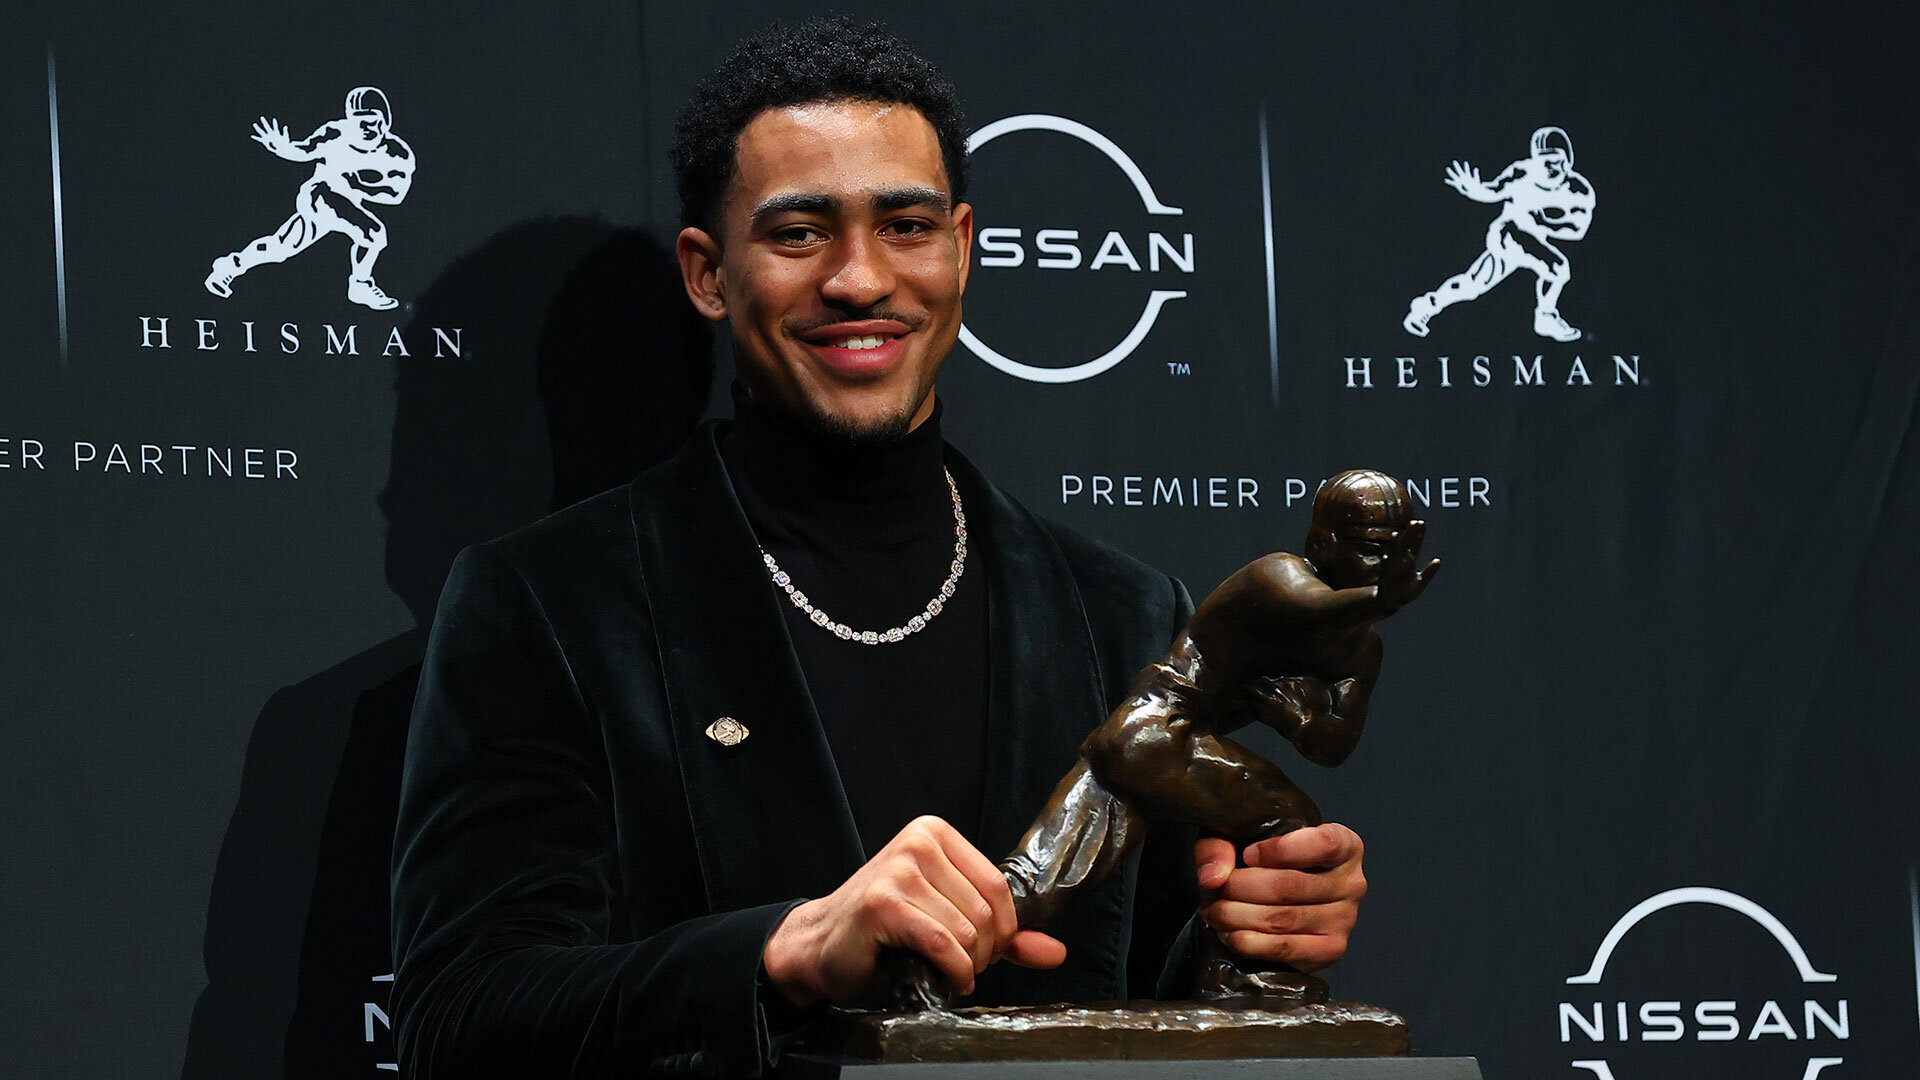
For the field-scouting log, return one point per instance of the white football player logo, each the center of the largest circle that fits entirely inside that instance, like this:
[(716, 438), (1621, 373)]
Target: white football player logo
[(1543, 200), (357, 160)]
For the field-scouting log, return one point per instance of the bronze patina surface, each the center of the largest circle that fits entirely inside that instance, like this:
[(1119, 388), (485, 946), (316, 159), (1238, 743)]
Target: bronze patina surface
[(1126, 1031), (1289, 641)]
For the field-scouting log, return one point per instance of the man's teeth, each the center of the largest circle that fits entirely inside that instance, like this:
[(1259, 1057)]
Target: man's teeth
[(869, 342)]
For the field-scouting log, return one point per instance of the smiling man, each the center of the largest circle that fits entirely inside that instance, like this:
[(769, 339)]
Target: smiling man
[(688, 756)]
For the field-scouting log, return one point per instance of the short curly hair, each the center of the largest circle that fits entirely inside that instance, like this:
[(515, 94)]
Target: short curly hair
[(824, 59)]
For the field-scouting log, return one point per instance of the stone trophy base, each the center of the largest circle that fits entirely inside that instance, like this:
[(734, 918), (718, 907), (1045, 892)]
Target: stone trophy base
[(1126, 1031)]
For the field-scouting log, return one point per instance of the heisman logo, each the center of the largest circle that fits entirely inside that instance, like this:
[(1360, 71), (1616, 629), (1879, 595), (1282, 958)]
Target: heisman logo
[(1542, 200), (1722, 1022), (1059, 249), (357, 160)]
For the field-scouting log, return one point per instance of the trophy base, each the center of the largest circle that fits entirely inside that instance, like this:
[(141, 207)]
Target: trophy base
[(1126, 1031)]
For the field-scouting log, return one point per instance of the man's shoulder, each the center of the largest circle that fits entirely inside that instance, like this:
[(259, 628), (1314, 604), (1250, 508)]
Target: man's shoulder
[(1133, 610), (1105, 569)]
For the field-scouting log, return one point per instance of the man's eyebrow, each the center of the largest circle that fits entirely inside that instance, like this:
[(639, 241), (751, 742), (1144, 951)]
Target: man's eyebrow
[(795, 202), (908, 198)]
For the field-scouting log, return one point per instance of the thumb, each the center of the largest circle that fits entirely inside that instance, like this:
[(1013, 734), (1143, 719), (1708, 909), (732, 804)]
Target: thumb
[(1214, 859), (1031, 948)]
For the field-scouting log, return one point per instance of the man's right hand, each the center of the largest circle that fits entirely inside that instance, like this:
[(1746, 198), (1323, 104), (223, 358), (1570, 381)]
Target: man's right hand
[(928, 890)]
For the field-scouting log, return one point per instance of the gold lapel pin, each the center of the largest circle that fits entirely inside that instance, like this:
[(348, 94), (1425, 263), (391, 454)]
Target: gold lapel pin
[(727, 731)]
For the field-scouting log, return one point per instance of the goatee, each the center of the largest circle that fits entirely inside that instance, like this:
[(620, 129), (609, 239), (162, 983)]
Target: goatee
[(840, 433)]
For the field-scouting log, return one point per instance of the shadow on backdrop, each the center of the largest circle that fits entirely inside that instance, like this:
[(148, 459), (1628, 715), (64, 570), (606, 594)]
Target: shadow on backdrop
[(583, 365)]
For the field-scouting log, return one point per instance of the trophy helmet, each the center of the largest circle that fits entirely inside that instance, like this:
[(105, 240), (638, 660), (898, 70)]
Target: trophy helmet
[(1553, 138), (1361, 497), (1359, 524), (369, 98)]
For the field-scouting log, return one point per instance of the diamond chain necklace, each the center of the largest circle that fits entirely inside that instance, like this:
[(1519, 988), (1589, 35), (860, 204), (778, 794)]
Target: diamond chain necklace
[(914, 625)]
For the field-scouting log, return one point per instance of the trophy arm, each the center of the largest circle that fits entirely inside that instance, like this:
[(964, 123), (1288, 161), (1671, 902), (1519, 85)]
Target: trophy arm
[(1323, 720)]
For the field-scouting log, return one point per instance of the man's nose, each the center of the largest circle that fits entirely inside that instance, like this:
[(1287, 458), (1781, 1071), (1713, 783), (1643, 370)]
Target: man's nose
[(863, 278)]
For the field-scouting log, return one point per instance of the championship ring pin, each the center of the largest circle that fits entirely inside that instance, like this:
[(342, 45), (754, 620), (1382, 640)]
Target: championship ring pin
[(727, 731)]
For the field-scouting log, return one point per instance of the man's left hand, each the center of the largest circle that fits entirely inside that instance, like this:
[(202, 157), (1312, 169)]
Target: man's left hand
[(1295, 900)]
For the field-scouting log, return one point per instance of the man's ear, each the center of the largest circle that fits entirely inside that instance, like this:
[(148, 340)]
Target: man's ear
[(963, 239), (700, 271)]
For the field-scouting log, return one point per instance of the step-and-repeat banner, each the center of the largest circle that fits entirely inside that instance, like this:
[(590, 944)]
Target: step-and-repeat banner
[(1627, 296)]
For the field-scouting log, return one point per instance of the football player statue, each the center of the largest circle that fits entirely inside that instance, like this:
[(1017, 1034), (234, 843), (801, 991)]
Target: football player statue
[(1287, 641), (1542, 200), (357, 160)]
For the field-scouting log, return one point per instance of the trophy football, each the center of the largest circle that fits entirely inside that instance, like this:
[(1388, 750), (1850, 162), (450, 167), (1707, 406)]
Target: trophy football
[(1288, 641)]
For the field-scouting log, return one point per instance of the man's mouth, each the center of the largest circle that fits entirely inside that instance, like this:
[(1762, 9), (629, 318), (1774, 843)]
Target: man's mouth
[(864, 348), (871, 341)]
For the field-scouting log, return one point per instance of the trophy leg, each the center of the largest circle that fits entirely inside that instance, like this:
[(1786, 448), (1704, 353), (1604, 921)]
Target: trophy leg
[(903, 982), (1225, 975)]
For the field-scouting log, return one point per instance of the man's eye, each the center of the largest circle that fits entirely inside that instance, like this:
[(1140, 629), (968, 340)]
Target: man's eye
[(797, 234), (908, 228)]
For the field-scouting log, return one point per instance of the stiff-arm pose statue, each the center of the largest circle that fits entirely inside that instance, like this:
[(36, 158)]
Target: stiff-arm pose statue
[(1287, 641)]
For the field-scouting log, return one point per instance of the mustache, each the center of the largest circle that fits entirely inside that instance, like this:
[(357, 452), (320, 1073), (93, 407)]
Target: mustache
[(913, 320)]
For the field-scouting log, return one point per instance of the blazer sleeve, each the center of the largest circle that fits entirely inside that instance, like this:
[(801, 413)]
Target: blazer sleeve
[(504, 878), (1167, 889)]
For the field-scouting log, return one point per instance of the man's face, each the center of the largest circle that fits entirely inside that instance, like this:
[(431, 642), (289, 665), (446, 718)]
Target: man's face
[(1555, 162), (839, 266)]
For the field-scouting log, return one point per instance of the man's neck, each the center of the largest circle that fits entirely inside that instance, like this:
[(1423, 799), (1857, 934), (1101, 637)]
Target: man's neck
[(879, 492)]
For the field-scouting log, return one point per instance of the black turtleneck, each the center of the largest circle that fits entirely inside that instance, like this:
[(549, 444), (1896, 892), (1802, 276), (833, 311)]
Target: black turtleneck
[(868, 535)]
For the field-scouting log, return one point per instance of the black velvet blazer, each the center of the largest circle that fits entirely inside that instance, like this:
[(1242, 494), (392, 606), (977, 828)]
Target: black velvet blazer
[(583, 881)]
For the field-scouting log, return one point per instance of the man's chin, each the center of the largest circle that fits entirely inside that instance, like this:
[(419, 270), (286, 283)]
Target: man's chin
[(859, 432)]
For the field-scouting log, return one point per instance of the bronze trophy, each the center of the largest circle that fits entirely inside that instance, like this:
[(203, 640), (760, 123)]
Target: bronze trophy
[(1287, 641)]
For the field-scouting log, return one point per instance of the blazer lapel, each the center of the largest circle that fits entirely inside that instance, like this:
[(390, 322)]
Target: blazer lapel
[(1045, 693), (770, 817)]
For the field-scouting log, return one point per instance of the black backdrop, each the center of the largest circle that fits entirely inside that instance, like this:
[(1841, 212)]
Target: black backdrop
[(1670, 660)]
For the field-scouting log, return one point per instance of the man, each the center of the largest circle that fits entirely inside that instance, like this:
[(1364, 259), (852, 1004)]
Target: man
[(357, 160), (1544, 200), (687, 756)]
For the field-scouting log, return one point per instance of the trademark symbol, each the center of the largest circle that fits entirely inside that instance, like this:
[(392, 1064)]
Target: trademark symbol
[(1179, 367)]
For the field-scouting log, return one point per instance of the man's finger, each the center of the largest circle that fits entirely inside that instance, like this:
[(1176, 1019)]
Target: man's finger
[(987, 881), (1227, 916), (911, 928), (1317, 848), (951, 898), (945, 862), (1214, 861), (1031, 948), (1307, 952), (1257, 885)]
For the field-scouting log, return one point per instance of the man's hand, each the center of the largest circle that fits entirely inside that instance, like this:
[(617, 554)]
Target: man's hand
[(1296, 900), (928, 890)]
